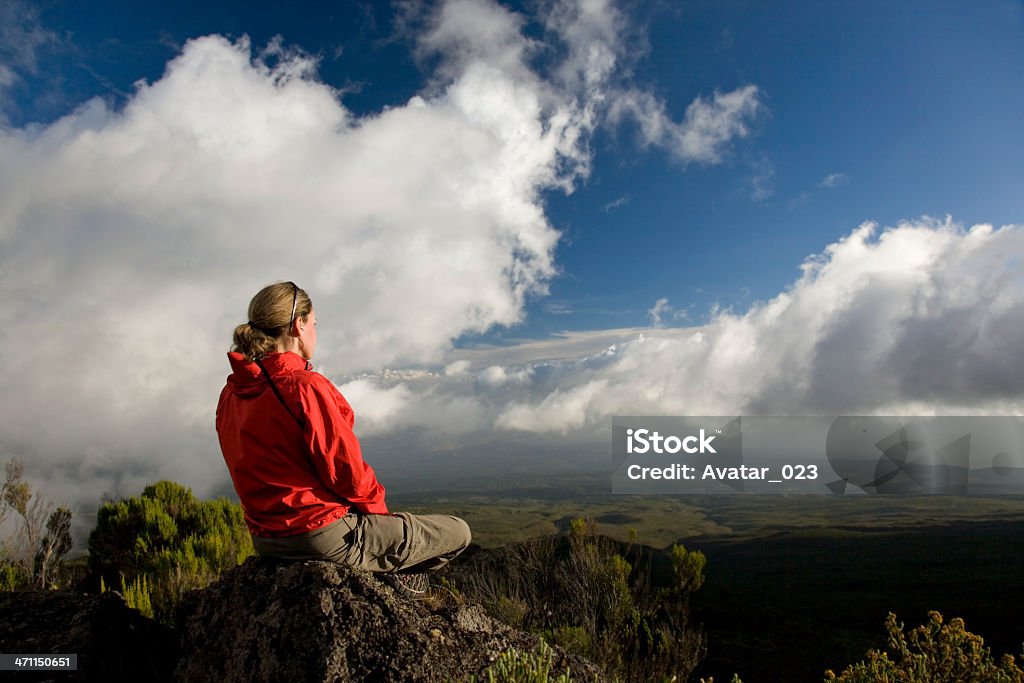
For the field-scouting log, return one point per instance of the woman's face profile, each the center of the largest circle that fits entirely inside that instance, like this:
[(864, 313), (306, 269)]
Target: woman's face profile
[(307, 335)]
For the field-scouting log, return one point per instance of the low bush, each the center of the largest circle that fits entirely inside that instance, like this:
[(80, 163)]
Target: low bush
[(514, 666), (594, 597), (158, 545), (33, 556), (935, 652)]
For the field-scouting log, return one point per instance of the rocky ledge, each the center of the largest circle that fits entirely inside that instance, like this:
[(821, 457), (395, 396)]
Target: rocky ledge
[(272, 621), (113, 642), (317, 621)]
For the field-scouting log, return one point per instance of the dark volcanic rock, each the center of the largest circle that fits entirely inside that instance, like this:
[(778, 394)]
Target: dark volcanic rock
[(113, 642), (317, 621)]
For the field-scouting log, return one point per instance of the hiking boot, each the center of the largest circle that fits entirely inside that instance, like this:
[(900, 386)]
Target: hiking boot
[(409, 586)]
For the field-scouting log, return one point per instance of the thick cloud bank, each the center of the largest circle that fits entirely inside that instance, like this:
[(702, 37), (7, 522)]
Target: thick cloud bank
[(132, 238), (922, 318)]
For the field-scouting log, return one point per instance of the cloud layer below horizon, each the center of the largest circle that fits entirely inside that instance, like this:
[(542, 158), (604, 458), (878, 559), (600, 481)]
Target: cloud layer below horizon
[(918, 319)]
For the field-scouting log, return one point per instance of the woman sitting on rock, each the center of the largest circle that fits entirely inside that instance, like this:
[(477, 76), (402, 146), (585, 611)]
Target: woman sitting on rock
[(286, 435)]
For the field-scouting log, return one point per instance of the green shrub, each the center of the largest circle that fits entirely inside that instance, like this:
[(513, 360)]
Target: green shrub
[(688, 567), (514, 666), (933, 653), (13, 577), (166, 542), (510, 611), (594, 598), (136, 595), (574, 639), (33, 556)]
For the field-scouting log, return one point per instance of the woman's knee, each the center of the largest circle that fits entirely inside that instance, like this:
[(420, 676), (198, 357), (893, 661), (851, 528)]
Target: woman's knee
[(461, 533)]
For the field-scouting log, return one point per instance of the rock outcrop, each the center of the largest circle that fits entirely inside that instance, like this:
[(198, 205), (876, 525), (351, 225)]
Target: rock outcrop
[(113, 642), (317, 621), (268, 621)]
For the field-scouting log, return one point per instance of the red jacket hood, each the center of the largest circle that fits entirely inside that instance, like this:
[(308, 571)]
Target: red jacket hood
[(246, 379)]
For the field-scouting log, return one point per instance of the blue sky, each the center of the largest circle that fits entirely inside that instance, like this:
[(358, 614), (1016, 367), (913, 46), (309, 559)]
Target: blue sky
[(916, 107), (511, 218), (912, 110)]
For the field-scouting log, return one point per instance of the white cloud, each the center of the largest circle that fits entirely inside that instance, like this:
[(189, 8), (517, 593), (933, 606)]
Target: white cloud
[(762, 183), (834, 180), (458, 367), (663, 311), (132, 239), (7, 76), (561, 411), (708, 126), (600, 43), (22, 39), (615, 204), (800, 201), (918, 319), (706, 129), (597, 37), (493, 377), (561, 347), (922, 318), (555, 307), (397, 408), (22, 35), (381, 407), (661, 306)]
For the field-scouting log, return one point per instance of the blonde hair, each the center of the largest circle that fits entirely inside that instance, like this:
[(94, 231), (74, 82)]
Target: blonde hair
[(270, 316)]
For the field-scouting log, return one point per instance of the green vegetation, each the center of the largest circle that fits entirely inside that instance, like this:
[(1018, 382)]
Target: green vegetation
[(593, 597), (931, 653), (159, 545), (499, 517), (813, 599), (33, 557), (514, 666), (799, 582)]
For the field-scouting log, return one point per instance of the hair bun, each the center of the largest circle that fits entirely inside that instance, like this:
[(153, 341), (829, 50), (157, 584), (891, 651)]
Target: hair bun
[(257, 328)]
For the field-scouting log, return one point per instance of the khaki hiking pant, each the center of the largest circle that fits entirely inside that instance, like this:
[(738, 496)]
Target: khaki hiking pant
[(399, 542)]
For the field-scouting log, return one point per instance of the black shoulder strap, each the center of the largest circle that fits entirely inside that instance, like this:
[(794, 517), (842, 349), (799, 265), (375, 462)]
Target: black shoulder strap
[(277, 393), (302, 425)]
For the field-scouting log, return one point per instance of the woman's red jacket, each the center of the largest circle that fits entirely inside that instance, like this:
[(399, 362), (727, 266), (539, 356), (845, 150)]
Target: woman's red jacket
[(291, 478)]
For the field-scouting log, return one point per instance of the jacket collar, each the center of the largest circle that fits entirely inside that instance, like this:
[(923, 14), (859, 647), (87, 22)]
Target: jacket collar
[(246, 378)]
